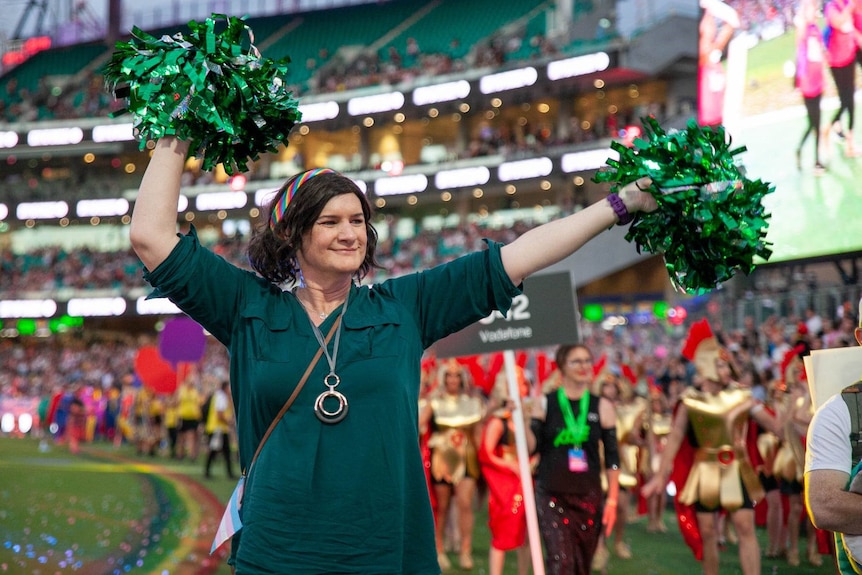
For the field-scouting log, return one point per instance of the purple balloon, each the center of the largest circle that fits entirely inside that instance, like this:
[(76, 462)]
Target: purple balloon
[(182, 340)]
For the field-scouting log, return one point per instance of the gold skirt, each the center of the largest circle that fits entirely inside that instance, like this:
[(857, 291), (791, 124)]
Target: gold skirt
[(717, 478)]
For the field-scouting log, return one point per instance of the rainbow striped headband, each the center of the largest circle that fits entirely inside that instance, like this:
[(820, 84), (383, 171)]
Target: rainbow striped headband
[(280, 208)]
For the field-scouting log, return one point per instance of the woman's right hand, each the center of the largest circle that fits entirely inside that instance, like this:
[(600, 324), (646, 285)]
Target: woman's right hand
[(636, 197)]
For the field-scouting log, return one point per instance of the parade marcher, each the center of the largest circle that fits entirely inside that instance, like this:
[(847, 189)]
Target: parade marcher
[(218, 426), (499, 462), (660, 422), (790, 459), (570, 429), (189, 411), (713, 420), (631, 421), (455, 413)]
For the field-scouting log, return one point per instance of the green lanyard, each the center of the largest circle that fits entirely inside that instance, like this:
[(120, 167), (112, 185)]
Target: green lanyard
[(576, 431)]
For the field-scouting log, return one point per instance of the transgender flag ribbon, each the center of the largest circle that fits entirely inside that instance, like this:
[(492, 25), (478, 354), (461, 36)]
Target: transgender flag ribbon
[(230, 521)]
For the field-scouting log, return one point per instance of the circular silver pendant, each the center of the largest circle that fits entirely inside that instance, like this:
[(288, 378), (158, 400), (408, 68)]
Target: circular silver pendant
[(335, 415)]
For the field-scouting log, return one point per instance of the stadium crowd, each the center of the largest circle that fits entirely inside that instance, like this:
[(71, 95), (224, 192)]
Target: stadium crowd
[(56, 268), (35, 366), (87, 98)]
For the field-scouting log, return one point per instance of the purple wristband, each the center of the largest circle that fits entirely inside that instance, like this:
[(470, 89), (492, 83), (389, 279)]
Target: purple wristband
[(620, 210)]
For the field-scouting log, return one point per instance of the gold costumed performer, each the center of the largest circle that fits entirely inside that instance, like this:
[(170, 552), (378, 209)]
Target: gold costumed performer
[(789, 466), (714, 421), (659, 426), (455, 412), (632, 415)]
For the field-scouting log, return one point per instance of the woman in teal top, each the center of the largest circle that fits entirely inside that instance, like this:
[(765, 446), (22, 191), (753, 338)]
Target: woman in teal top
[(339, 486)]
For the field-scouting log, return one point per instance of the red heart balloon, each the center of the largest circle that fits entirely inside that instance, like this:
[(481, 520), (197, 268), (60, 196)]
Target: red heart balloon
[(155, 373)]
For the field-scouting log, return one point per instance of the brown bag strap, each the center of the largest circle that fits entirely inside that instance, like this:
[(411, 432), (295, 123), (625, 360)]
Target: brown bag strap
[(296, 391)]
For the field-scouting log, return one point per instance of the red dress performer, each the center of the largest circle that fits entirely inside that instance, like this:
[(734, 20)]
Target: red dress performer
[(498, 459)]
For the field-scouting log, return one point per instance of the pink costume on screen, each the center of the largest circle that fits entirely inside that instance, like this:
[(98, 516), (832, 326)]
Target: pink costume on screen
[(841, 49), (711, 80), (809, 62)]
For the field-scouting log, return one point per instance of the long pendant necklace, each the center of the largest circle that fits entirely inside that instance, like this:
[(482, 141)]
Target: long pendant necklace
[(331, 380)]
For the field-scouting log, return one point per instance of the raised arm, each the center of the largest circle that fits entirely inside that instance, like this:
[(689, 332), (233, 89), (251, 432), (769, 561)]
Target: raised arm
[(550, 243), (153, 232)]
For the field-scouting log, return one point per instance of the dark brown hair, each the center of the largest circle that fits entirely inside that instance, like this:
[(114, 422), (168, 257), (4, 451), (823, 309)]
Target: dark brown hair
[(564, 350), (272, 252)]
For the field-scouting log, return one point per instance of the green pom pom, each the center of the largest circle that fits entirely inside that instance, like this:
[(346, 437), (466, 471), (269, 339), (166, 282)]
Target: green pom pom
[(710, 222), (229, 103)]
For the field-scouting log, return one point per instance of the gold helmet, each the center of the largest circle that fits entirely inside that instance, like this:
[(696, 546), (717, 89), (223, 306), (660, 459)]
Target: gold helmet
[(702, 348)]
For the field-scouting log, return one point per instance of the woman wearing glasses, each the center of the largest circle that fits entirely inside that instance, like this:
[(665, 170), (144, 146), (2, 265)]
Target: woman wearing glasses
[(568, 431)]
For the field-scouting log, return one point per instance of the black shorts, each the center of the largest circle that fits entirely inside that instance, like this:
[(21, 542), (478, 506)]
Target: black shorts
[(747, 503), (770, 482), (790, 487), (189, 425)]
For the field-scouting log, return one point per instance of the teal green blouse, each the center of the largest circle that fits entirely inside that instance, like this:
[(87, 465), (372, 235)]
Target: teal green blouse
[(349, 497)]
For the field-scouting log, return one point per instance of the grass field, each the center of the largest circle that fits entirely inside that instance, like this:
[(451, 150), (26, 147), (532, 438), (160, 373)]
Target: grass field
[(92, 513), (64, 513), (767, 85)]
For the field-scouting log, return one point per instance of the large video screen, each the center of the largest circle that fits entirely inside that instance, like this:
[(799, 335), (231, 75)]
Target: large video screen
[(780, 75)]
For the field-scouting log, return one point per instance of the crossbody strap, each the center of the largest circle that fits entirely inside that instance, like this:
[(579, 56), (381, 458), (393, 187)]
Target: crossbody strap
[(296, 391), (852, 396)]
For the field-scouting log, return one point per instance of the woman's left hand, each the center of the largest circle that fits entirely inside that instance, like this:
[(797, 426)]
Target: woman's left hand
[(636, 197)]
